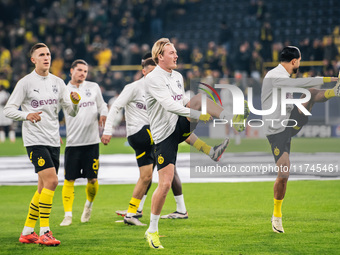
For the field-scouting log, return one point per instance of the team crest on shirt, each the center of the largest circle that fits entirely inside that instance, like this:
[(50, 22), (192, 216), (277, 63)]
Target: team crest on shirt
[(276, 151), (55, 89), (160, 159), (41, 161), (179, 85), (88, 93)]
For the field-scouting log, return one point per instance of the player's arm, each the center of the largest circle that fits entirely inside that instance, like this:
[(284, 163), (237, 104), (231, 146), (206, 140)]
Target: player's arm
[(123, 99), (160, 92), (101, 107), (301, 82), (15, 100), (69, 101)]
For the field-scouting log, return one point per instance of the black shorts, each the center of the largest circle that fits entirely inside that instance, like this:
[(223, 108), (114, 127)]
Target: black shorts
[(43, 157), (81, 162), (143, 145), (280, 142), (166, 151)]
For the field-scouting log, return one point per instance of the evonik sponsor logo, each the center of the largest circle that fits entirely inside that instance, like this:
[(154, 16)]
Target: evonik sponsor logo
[(177, 97), (37, 103), (87, 104)]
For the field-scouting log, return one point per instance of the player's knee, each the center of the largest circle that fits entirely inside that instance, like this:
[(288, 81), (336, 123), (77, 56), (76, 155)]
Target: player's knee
[(146, 178), (92, 181), (195, 102), (165, 186), (312, 91), (283, 177), (283, 171), (52, 183)]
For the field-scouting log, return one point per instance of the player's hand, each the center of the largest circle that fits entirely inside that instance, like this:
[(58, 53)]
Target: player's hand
[(102, 120), (334, 78), (106, 139), (34, 117), (205, 117), (75, 97)]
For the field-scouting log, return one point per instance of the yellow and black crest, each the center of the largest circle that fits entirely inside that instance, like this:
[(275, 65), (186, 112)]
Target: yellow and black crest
[(276, 151), (41, 161), (160, 159)]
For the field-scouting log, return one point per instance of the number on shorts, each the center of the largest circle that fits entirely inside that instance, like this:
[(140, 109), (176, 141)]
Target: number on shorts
[(95, 165)]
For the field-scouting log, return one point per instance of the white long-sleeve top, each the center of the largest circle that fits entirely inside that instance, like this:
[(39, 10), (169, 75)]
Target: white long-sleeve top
[(83, 129), (132, 98), (279, 78), (165, 100), (36, 93)]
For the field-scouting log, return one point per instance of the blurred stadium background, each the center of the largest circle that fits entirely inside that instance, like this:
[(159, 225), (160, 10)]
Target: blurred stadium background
[(218, 41)]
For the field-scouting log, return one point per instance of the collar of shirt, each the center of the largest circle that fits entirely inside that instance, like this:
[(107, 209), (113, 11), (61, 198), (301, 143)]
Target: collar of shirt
[(282, 69), (166, 73), (75, 86), (39, 76)]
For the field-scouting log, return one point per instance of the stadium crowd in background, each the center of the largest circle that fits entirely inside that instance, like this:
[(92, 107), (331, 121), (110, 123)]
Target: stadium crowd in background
[(107, 32)]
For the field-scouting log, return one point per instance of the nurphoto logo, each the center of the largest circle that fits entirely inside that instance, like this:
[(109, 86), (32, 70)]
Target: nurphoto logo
[(286, 98)]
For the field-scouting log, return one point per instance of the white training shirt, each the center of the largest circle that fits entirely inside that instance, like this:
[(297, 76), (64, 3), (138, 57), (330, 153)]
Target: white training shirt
[(132, 98), (4, 121), (165, 100), (83, 129), (36, 93), (279, 78), (119, 116)]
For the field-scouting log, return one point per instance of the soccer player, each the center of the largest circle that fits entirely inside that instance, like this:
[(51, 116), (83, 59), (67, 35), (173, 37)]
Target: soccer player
[(82, 140), (171, 122), (40, 94), (278, 136), (139, 137)]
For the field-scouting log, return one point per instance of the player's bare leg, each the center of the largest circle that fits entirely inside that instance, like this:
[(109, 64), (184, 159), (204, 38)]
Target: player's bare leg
[(181, 211), (166, 176)]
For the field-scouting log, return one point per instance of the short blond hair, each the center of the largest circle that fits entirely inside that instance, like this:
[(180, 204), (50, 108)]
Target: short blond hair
[(158, 48)]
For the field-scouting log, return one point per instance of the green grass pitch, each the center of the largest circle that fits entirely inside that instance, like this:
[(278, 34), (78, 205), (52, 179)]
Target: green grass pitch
[(224, 218)]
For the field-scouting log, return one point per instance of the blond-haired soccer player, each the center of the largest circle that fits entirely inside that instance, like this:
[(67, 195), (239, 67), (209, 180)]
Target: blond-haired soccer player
[(279, 136), (139, 137), (82, 140), (171, 122), (40, 94)]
